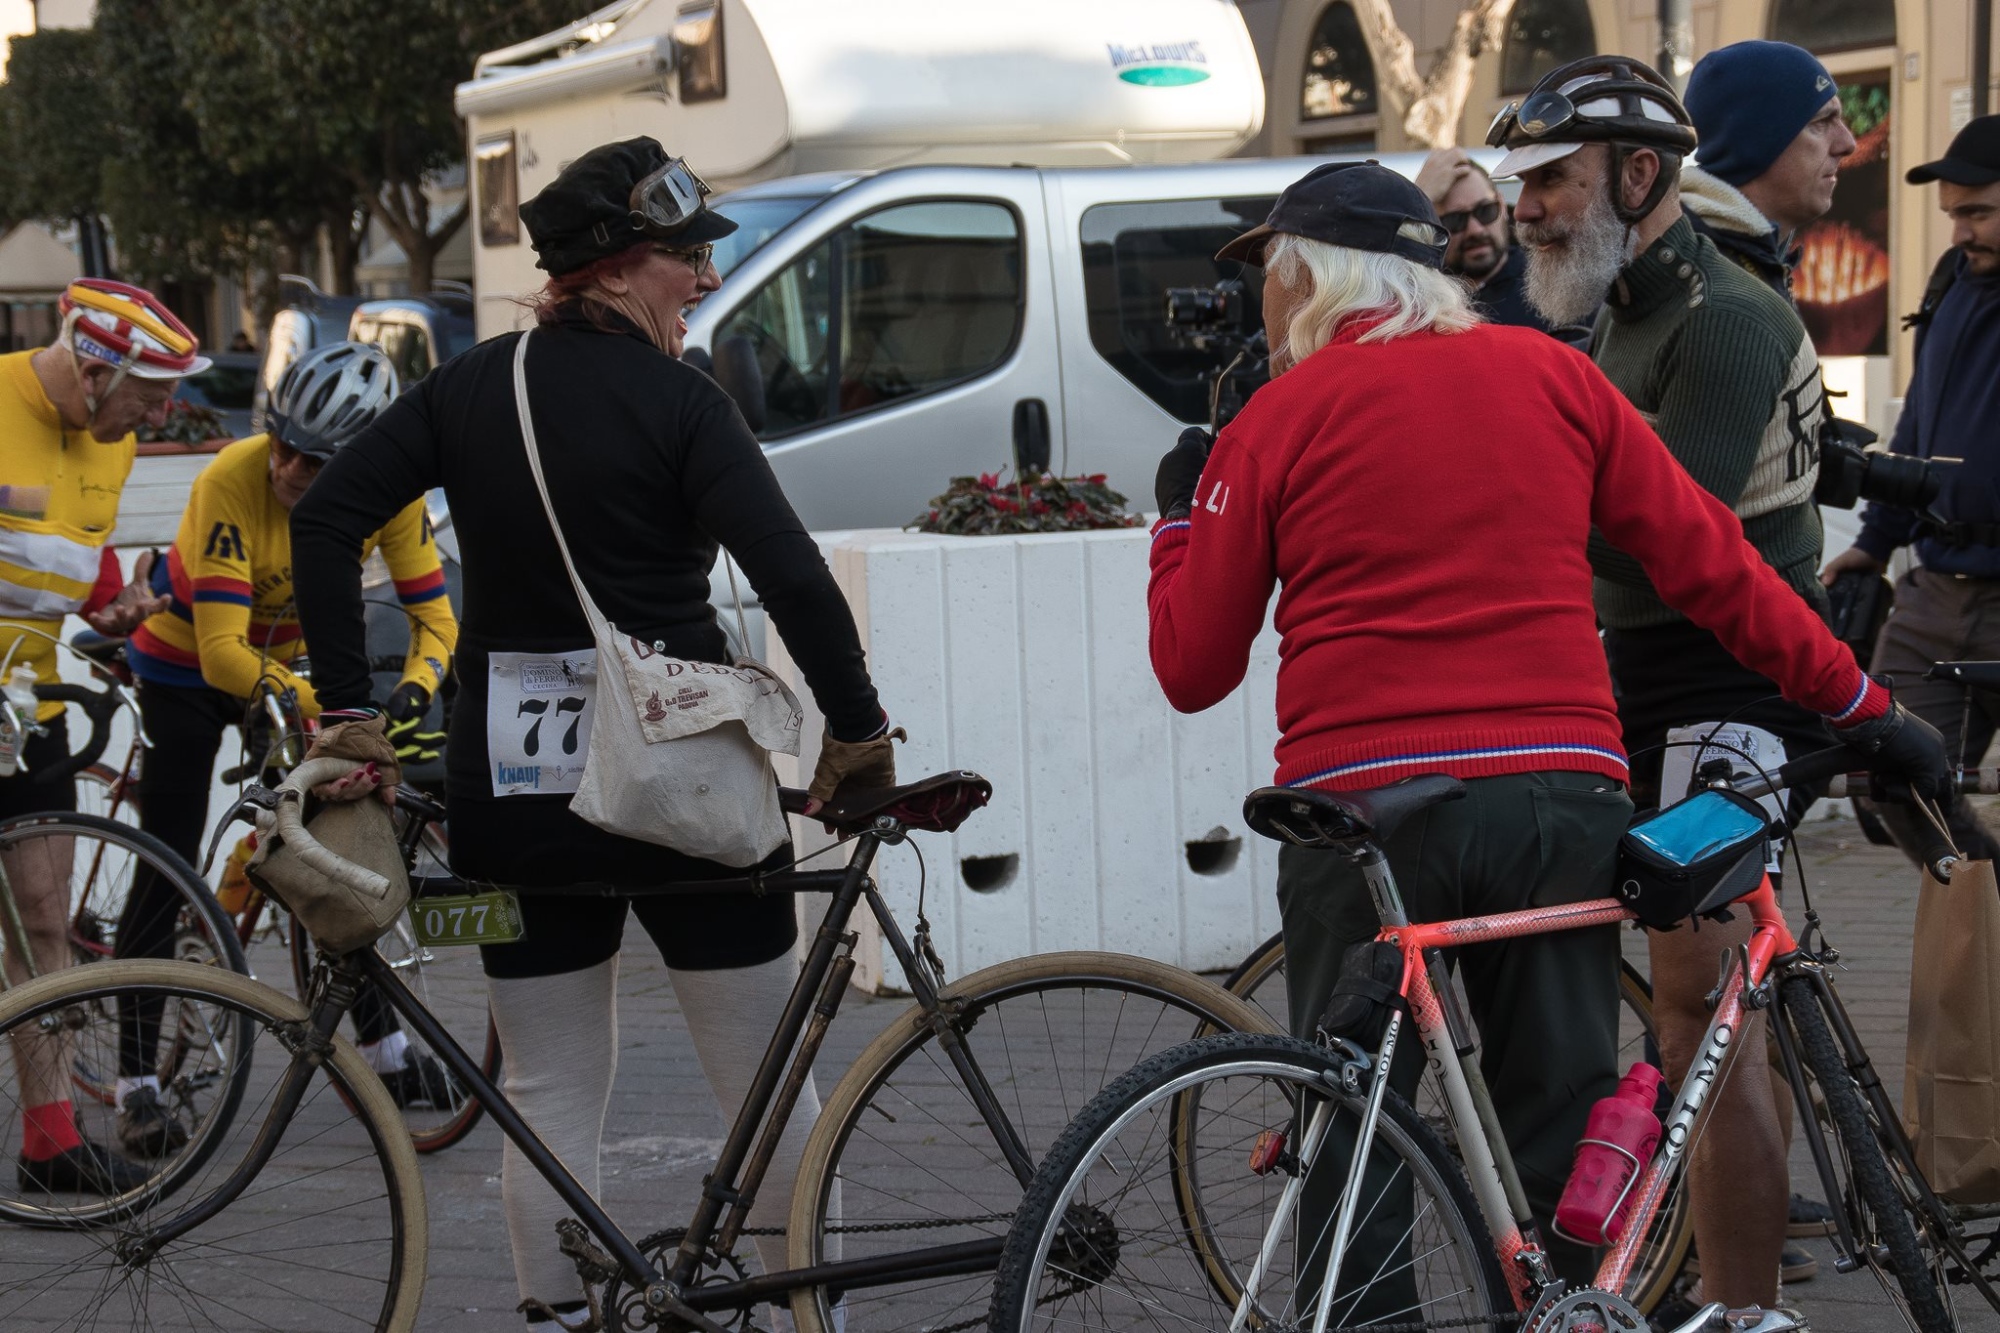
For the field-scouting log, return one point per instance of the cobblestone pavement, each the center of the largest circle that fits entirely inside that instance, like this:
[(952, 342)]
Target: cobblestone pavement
[(664, 1128)]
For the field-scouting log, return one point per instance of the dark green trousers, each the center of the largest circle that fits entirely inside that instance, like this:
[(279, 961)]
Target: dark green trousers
[(1546, 1006)]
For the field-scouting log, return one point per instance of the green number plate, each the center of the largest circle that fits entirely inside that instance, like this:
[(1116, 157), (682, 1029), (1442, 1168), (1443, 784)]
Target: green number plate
[(473, 918)]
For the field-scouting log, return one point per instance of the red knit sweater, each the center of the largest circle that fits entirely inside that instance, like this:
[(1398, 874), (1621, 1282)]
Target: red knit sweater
[(1423, 505)]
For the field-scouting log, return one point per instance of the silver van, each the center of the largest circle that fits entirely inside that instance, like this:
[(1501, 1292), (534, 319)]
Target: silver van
[(888, 331)]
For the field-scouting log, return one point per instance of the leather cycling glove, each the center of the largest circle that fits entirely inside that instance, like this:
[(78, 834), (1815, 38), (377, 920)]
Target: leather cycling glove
[(863, 765), (415, 744), (1179, 477), (1901, 744)]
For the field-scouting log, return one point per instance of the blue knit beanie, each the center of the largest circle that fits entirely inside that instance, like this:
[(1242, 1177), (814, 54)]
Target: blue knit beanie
[(1749, 101)]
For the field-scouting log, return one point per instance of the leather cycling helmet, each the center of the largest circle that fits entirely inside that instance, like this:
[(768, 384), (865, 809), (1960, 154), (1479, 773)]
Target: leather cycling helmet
[(1611, 100), (330, 395)]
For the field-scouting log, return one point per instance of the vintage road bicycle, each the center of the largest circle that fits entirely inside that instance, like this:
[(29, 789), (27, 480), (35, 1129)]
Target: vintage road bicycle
[(308, 1211), (1178, 1197)]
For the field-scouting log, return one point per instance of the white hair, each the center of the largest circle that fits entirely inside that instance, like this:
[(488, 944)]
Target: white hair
[(1349, 284)]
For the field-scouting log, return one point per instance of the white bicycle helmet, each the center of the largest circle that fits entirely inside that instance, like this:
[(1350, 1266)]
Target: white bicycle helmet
[(330, 395)]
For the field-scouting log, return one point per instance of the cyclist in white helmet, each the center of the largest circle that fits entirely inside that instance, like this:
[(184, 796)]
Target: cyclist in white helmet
[(67, 416), (229, 626)]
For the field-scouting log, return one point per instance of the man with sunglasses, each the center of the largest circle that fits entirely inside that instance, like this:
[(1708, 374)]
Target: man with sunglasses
[(1480, 249), (1721, 367), (67, 416), (229, 630)]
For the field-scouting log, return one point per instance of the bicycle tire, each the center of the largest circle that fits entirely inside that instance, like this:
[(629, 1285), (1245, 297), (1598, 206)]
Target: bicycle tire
[(1653, 1278), (171, 1301), (1876, 1204), (99, 896), (120, 800), (1051, 986), (1116, 1241), (427, 1135)]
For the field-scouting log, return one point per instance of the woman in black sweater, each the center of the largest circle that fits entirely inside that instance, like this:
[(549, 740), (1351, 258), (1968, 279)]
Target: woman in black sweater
[(649, 468)]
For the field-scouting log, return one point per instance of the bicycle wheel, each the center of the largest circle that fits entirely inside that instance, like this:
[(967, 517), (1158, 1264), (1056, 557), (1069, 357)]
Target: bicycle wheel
[(1105, 1239), (1260, 979), (103, 791), (101, 858), (1893, 1238), (901, 1160), (330, 1232)]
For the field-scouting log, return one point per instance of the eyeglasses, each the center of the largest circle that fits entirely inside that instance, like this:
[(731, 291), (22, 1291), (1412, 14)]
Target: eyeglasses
[(696, 257), (667, 197), (1456, 221)]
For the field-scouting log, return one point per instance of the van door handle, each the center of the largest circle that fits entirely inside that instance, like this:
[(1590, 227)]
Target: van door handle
[(1031, 438)]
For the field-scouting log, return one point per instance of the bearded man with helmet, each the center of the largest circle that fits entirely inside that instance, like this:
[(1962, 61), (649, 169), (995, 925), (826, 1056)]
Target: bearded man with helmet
[(229, 627), (1721, 367), (67, 416)]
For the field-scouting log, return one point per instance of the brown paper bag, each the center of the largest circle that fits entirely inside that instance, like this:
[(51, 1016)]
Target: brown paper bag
[(1951, 1073)]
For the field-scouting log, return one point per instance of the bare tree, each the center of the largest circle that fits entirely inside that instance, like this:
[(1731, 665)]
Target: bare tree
[(1431, 104)]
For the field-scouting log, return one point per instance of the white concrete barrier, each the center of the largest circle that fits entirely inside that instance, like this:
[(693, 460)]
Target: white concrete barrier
[(1116, 823)]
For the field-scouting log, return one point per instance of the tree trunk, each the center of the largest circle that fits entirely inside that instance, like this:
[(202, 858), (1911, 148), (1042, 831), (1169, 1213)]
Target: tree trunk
[(343, 247), (1432, 105), (404, 210)]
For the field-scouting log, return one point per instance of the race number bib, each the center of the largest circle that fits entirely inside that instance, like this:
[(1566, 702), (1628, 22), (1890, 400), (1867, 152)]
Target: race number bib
[(538, 711)]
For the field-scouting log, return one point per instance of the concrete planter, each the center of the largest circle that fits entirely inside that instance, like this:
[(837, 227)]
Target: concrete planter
[(1116, 823)]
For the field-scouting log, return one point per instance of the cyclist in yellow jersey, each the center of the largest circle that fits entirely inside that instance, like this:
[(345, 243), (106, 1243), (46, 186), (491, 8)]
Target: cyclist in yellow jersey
[(67, 416), (230, 626)]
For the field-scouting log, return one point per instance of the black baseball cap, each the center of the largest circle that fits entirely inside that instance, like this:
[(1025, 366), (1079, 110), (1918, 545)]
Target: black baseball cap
[(1972, 159), (1361, 205), (586, 212)]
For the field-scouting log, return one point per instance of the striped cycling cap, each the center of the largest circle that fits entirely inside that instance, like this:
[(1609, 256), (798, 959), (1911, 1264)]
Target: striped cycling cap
[(130, 328)]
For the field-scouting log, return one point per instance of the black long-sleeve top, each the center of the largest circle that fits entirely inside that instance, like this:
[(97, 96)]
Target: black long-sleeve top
[(649, 467)]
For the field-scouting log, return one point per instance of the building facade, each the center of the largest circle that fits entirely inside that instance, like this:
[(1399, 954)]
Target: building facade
[(1904, 69)]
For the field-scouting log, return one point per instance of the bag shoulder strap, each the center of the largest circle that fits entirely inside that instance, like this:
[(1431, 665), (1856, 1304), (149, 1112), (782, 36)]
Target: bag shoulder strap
[(596, 617)]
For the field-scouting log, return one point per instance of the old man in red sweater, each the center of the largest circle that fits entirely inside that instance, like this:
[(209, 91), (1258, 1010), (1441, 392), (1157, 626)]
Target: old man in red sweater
[(1420, 488)]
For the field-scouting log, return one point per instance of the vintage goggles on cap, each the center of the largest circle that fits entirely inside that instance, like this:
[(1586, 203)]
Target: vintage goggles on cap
[(1542, 115), (667, 198)]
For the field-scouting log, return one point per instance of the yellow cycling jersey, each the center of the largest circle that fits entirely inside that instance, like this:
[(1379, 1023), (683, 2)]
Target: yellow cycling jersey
[(232, 620), (59, 492)]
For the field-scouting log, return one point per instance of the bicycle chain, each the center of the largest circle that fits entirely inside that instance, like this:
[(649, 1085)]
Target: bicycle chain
[(923, 1224)]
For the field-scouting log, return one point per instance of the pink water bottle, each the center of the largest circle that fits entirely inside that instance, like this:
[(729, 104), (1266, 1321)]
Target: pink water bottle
[(1621, 1124)]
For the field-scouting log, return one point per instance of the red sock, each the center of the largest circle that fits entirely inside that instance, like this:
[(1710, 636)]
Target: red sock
[(49, 1130)]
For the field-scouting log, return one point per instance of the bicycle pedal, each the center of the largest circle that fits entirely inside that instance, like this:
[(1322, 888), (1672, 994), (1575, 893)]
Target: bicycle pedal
[(1717, 1318)]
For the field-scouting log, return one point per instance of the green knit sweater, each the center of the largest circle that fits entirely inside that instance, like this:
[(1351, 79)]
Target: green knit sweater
[(1721, 368)]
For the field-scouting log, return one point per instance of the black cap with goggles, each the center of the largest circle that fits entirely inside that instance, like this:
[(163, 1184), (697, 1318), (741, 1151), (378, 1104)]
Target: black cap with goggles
[(616, 196), (1611, 100)]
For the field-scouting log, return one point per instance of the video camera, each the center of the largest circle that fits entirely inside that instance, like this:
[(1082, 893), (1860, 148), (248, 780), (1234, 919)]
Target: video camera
[(1217, 320), (1850, 472)]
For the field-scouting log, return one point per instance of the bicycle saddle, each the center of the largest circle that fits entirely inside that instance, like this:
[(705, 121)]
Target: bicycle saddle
[(99, 648), (1309, 818), (1979, 675), (936, 804)]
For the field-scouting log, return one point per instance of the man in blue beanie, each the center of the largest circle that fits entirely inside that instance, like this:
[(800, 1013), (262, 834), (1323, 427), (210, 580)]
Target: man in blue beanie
[(1772, 141)]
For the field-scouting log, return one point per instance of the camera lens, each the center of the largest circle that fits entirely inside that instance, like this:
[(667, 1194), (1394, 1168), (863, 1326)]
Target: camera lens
[(1908, 483)]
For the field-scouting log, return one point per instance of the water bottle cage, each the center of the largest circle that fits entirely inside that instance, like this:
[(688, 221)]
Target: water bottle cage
[(1617, 1204)]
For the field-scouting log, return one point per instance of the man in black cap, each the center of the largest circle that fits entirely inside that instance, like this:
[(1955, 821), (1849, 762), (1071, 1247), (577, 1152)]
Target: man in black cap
[(1436, 613), (1948, 606)]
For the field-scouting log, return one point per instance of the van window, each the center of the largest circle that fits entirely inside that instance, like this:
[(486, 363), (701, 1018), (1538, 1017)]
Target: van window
[(1132, 253), (408, 350), (896, 304)]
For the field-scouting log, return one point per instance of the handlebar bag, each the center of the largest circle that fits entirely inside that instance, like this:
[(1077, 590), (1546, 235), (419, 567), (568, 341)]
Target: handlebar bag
[(340, 918), (1693, 858)]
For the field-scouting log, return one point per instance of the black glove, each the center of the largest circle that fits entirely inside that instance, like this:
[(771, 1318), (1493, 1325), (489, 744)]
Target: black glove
[(405, 711), (1902, 745), (1180, 472)]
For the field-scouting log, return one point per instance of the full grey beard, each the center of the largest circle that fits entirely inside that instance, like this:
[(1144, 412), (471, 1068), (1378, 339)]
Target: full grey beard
[(1572, 266)]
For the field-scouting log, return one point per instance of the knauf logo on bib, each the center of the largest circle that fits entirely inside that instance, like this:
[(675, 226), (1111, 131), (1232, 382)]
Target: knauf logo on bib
[(1160, 64)]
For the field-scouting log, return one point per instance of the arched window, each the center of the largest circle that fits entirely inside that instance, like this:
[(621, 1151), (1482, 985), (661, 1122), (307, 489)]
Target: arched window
[(1542, 35), (1340, 74), (1834, 25)]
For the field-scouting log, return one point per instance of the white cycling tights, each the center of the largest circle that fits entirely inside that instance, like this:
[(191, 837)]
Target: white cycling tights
[(560, 1035)]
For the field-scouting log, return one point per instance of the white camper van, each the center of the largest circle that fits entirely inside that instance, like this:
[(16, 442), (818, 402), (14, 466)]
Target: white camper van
[(749, 90)]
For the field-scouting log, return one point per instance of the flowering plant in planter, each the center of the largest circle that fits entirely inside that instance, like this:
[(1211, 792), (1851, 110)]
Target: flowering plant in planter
[(985, 506), (186, 423)]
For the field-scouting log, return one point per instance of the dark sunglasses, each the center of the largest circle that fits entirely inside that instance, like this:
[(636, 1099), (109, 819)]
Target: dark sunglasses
[(1455, 222), (288, 455)]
